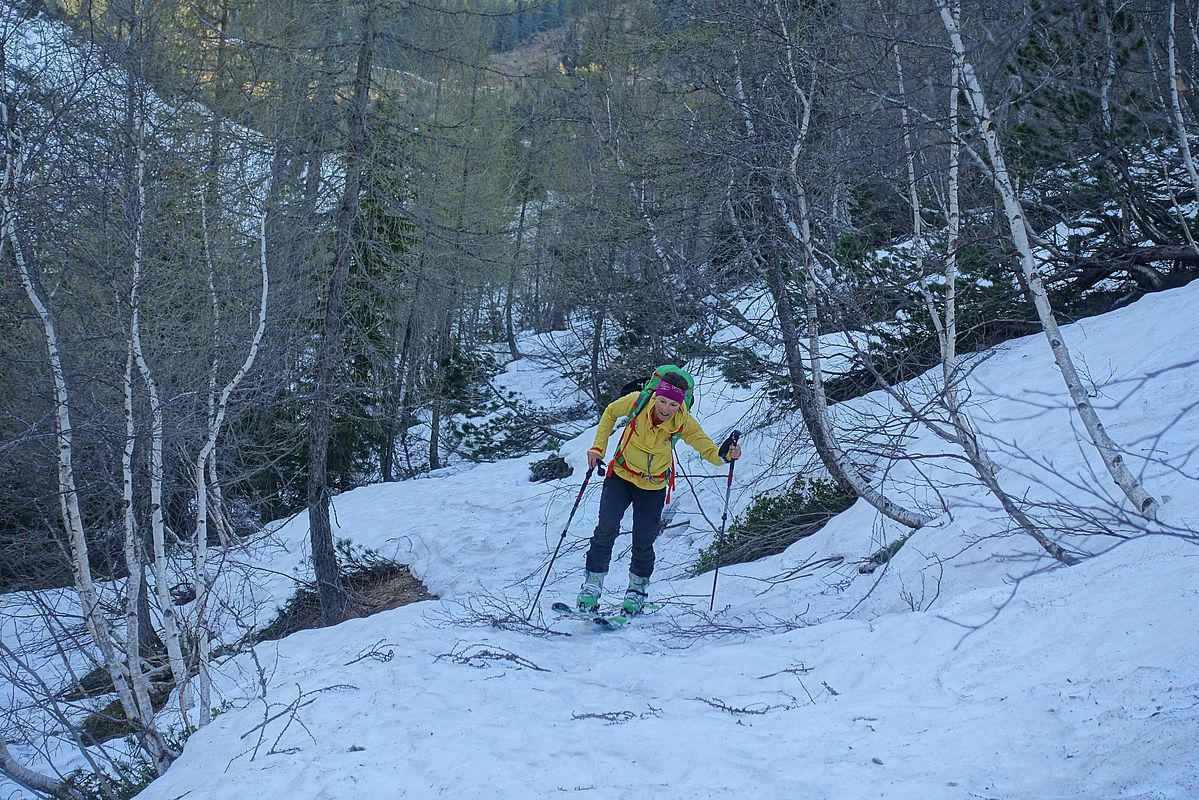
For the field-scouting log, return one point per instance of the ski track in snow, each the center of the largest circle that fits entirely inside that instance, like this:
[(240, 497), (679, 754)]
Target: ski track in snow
[(1017, 680)]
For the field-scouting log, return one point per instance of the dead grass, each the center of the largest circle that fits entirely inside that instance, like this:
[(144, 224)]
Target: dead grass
[(373, 587), (541, 52), (110, 722)]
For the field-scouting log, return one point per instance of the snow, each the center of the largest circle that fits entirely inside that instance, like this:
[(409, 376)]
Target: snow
[(1080, 686), (1010, 679), (969, 666)]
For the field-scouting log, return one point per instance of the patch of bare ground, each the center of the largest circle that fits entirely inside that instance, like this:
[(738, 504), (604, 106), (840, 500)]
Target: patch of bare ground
[(541, 52), (373, 583)]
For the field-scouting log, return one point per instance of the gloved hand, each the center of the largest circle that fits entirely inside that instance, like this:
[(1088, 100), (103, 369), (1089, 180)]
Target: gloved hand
[(729, 449)]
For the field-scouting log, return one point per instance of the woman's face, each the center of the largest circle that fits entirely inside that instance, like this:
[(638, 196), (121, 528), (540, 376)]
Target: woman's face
[(664, 408)]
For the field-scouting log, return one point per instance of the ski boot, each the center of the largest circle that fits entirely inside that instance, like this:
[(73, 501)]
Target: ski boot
[(635, 596), (589, 592)]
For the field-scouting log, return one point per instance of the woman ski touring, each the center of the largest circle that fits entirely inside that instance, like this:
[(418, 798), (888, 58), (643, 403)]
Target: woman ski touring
[(641, 474)]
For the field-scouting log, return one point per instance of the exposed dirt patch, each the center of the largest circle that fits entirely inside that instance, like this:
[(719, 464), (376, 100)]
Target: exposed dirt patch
[(110, 722), (374, 586)]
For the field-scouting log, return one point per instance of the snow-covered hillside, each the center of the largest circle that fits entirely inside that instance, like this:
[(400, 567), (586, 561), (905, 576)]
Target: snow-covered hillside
[(969, 667)]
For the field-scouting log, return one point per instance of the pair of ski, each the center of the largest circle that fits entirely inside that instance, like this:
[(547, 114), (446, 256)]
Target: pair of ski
[(607, 621)]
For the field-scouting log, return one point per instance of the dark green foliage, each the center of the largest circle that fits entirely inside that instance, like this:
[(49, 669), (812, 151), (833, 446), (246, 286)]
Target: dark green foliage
[(494, 428), (775, 522), (640, 353), (742, 367), (1055, 67), (517, 21), (127, 783), (130, 776), (549, 469), (464, 378), (991, 309), (502, 432)]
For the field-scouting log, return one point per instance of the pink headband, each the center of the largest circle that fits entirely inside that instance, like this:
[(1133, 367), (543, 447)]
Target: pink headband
[(671, 392)]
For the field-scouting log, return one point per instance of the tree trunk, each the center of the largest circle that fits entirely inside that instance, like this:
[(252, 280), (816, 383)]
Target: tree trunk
[(135, 586), (812, 404), (72, 516), (335, 606), (218, 405), (510, 294), (1180, 128), (1141, 500), (30, 779), (964, 434), (443, 352)]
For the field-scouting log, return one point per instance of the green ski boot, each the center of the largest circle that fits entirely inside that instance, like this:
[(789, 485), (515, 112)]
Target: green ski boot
[(589, 592), (635, 596)]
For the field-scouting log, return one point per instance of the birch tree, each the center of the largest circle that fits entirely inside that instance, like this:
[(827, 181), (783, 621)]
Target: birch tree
[(788, 204), (128, 678), (218, 407), (1112, 457), (963, 433)]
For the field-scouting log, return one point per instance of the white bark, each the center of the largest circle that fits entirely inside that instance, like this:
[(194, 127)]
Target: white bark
[(170, 622), (30, 779), (954, 199), (217, 514), (1109, 71), (133, 557), (862, 487), (1141, 500), (94, 620), (219, 406), (963, 430), (128, 693), (1172, 80), (801, 231)]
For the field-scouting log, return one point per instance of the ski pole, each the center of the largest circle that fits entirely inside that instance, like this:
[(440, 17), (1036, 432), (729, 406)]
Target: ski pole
[(723, 519), (599, 465)]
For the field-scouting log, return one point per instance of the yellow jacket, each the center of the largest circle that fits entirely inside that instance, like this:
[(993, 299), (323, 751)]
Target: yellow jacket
[(648, 461)]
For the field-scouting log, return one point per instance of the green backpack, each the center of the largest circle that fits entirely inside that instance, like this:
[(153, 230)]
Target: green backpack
[(647, 392)]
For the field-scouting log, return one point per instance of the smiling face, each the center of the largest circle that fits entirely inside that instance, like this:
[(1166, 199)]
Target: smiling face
[(664, 408)]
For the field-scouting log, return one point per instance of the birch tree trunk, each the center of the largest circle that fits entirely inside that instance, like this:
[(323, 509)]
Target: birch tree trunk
[(964, 433), (127, 676), (32, 780), (1180, 127), (136, 581), (203, 460), (96, 624), (170, 620), (813, 402), (1141, 500)]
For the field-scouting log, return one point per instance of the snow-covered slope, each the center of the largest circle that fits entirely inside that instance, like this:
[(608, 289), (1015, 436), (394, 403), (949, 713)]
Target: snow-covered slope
[(969, 667), (1014, 680), (1082, 686)]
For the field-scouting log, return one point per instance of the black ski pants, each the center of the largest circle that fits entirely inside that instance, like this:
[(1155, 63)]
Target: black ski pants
[(616, 497)]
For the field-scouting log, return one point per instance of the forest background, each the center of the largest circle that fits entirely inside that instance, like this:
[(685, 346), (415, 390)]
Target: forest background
[(256, 254)]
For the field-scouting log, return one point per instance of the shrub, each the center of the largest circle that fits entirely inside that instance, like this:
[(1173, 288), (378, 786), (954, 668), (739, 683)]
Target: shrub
[(131, 778), (773, 523), (550, 468)]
